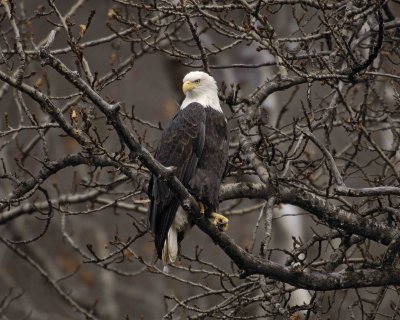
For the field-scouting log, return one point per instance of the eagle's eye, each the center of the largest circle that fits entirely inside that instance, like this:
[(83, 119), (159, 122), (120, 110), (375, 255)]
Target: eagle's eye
[(197, 81)]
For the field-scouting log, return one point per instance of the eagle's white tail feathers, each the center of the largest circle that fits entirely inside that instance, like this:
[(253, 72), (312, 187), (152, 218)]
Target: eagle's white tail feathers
[(170, 250), (165, 269)]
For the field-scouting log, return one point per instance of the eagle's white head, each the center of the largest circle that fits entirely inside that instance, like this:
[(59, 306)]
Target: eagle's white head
[(200, 87)]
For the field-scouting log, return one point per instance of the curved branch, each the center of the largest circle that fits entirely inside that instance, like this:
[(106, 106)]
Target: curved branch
[(250, 264), (50, 168)]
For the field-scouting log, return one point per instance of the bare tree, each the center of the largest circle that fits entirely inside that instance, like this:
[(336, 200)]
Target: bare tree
[(311, 92)]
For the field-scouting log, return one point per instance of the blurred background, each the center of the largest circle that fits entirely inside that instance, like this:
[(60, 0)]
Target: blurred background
[(75, 236)]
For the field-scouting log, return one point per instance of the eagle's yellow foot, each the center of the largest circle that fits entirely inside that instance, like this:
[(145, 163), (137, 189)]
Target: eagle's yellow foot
[(202, 208), (220, 221)]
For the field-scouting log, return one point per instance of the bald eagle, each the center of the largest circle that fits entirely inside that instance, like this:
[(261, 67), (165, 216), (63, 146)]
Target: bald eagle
[(195, 142)]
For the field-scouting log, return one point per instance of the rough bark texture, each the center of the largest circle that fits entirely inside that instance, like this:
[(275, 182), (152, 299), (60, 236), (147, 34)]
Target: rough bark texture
[(310, 91)]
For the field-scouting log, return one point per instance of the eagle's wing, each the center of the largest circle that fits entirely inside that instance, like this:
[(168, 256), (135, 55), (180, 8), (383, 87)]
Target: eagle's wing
[(181, 146)]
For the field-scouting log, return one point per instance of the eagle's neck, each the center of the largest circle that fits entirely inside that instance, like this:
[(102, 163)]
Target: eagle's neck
[(206, 99)]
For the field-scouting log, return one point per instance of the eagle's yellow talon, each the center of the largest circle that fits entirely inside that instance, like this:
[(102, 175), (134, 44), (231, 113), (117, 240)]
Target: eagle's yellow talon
[(220, 221)]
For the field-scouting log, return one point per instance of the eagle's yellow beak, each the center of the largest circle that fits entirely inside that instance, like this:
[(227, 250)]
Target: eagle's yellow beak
[(187, 86)]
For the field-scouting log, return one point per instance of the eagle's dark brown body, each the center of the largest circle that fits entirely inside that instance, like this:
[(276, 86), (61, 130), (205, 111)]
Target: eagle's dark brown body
[(196, 143)]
